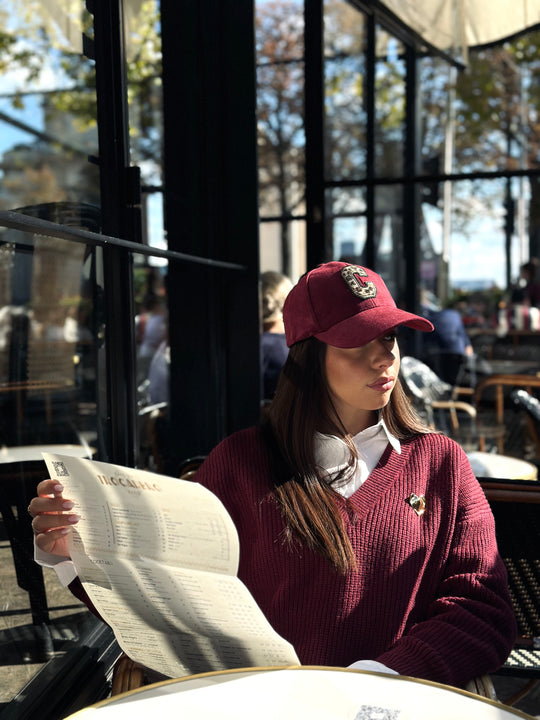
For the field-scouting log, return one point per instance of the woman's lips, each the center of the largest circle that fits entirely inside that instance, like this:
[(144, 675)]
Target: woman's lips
[(382, 385)]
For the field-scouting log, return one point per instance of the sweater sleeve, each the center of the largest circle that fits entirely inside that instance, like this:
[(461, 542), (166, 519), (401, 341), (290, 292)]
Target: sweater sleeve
[(470, 628)]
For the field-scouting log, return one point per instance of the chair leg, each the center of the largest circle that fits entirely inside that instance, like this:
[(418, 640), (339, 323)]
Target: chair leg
[(521, 693)]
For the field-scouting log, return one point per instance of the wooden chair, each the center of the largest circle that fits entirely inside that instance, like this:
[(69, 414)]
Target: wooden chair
[(189, 467), (128, 675), (497, 383), (516, 508), (440, 405)]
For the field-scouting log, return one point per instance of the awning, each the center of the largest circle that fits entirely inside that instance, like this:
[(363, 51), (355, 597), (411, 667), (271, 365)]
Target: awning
[(453, 25)]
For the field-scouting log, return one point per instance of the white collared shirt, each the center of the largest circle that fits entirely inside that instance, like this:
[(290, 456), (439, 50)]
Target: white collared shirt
[(331, 453)]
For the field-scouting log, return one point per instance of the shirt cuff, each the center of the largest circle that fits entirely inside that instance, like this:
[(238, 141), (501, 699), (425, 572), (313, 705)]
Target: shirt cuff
[(63, 567), (372, 665)]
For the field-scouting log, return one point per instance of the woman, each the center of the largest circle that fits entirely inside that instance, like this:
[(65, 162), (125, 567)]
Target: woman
[(365, 538), (274, 289)]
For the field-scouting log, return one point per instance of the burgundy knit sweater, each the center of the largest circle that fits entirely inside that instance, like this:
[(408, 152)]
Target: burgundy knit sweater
[(429, 598)]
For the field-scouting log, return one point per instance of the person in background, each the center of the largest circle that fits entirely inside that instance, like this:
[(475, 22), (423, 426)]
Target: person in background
[(527, 289), (152, 330), (365, 538), (274, 289), (523, 312), (159, 374), (449, 349)]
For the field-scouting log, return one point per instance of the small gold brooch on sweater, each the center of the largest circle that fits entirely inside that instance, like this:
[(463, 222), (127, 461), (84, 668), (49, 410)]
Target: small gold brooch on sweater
[(418, 503)]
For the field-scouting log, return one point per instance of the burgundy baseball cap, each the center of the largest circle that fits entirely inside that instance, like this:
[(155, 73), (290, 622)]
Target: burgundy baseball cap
[(345, 306)]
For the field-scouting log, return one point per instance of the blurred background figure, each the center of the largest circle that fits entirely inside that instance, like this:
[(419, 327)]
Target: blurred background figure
[(449, 351), (274, 289), (523, 312), (158, 374), (527, 288), (151, 332)]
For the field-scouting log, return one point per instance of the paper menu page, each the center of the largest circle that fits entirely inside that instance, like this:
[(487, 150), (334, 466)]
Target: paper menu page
[(180, 622), (135, 513), (158, 559)]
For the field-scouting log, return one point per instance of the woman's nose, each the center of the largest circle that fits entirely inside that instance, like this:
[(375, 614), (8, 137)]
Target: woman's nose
[(383, 356)]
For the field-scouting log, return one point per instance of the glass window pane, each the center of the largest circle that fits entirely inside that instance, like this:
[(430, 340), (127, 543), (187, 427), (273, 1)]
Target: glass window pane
[(47, 111), (473, 251), (50, 308), (389, 105), (283, 245), (435, 124), (280, 107), (52, 391), (145, 110), (388, 238), (344, 78), (347, 223)]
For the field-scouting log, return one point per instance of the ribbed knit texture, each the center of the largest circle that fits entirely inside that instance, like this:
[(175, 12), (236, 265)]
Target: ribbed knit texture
[(430, 596)]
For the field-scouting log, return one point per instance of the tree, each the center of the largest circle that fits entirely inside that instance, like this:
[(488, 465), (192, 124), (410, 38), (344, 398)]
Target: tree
[(496, 125), (280, 119), (31, 45)]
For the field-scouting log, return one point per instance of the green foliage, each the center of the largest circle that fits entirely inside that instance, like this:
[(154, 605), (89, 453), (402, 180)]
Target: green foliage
[(30, 41)]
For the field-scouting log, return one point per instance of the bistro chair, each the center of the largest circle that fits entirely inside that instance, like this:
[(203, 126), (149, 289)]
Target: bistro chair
[(496, 391), (438, 403), (531, 407)]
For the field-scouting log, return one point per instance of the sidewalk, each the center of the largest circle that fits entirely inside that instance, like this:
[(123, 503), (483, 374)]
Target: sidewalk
[(19, 639)]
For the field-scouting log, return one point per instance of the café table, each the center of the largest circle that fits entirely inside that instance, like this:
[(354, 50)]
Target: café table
[(500, 381), (33, 453), (514, 367), (35, 387), (21, 468), (292, 693), (493, 465)]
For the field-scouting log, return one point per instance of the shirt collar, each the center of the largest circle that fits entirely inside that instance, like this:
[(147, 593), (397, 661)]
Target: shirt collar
[(333, 449), (392, 439)]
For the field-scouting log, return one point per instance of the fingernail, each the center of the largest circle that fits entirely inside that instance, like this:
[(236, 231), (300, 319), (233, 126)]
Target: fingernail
[(73, 518), (67, 504), (58, 488), (64, 531)]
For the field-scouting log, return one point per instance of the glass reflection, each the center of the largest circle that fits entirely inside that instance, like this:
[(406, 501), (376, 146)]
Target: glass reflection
[(50, 311), (153, 364), (50, 326)]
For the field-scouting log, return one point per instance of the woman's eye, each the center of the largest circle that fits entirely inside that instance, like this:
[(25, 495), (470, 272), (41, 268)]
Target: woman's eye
[(390, 337)]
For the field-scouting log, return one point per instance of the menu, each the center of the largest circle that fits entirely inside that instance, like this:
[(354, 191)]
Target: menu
[(158, 557)]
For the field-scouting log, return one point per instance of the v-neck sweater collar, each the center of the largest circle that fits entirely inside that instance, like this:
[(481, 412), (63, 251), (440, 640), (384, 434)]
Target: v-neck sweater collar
[(332, 455)]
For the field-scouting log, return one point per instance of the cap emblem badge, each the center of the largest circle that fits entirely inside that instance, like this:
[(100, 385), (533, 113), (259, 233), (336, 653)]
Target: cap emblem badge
[(352, 275)]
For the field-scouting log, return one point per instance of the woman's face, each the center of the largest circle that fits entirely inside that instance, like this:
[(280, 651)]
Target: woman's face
[(360, 380)]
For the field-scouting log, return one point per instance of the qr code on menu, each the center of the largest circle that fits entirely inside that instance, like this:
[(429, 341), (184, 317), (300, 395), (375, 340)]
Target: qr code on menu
[(371, 712), (60, 469)]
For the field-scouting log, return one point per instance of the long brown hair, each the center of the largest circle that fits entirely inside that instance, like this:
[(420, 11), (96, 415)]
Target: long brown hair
[(301, 406)]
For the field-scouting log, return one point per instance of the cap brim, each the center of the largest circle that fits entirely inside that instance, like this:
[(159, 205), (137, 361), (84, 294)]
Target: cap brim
[(367, 325)]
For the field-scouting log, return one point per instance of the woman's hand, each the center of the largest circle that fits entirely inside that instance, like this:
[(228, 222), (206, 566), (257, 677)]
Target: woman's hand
[(52, 520)]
